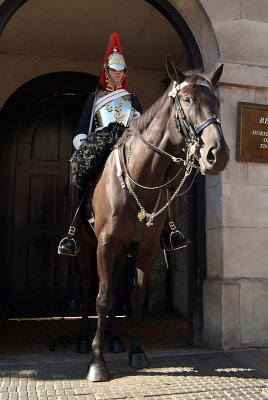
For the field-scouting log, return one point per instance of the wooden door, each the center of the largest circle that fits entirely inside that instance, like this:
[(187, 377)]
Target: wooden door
[(40, 278)]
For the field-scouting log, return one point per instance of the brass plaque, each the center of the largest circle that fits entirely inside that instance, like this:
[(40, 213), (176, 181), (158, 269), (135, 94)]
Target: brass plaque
[(252, 132)]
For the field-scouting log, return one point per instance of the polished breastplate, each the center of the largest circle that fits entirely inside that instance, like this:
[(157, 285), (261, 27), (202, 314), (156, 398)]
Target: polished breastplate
[(119, 110)]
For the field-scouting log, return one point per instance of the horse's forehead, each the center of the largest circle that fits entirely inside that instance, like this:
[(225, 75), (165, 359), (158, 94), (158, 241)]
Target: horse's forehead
[(195, 89)]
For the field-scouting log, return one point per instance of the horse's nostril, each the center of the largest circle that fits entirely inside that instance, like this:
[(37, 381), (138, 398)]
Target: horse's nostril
[(210, 156)]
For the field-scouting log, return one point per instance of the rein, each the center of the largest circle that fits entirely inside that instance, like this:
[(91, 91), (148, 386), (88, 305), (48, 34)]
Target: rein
[(126, 167), (159, 151), (192, 139)]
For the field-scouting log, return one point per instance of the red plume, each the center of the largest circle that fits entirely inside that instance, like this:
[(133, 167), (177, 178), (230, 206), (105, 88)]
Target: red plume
[(114, 42)]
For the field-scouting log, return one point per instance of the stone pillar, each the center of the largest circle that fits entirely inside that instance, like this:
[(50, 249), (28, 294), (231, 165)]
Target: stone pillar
[(236, 289)]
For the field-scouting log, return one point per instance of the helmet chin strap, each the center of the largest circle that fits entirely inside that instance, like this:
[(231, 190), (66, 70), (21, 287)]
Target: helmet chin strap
[(112, 80)]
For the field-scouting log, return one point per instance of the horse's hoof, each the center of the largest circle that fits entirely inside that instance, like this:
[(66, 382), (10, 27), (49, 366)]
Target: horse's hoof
[(116, 347), (98, 372), (83, 346), (137, 360)]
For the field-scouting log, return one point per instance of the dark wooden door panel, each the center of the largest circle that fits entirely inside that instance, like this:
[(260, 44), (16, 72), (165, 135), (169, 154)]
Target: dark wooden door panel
[(40, 278), (43, 200), (45, 141)]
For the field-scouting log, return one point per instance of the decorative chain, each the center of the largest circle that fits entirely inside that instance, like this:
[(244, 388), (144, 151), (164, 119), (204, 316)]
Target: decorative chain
[(143, 213)]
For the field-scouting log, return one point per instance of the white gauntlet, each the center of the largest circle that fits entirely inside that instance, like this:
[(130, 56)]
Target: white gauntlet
[(78, 139)]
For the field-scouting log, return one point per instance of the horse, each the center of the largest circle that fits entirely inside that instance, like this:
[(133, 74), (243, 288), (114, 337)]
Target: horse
[(181, 127)]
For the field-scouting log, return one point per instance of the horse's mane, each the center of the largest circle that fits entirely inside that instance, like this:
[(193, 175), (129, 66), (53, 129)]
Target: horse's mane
[(142, 123)]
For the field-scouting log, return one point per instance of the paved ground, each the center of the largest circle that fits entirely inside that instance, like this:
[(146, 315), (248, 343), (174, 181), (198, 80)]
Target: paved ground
[(51, 369)]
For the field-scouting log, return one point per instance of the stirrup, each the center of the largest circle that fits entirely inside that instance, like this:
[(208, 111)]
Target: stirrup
[(178, 243), (181, 244), (168, 241), (76, 247)]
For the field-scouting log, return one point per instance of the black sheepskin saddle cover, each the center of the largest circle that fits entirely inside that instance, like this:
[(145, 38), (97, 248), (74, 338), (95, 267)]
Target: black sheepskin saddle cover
[(92, 154)]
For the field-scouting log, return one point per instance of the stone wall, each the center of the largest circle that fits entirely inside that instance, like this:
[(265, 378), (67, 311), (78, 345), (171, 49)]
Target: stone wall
[(236, 290)]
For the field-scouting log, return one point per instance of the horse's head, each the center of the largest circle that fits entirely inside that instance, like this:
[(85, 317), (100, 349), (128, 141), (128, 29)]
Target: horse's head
[(195, 110)]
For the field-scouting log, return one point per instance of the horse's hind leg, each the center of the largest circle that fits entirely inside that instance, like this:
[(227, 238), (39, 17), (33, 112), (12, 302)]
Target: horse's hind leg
[(97, 370), (137, 358), (120, 294), (83, 345), (85, 263), (115, 345)]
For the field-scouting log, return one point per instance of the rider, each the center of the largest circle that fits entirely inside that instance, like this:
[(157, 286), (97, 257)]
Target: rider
[(110, 106)]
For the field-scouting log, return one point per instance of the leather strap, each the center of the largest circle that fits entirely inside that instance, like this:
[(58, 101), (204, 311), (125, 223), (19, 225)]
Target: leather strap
[(206, 123), (168, 207)]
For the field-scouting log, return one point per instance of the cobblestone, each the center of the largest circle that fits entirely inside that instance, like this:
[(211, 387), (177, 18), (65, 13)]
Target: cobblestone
[(171, 375)]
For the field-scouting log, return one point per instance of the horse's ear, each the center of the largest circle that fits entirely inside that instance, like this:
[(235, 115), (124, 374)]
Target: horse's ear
[(215, 75), (172, 71)]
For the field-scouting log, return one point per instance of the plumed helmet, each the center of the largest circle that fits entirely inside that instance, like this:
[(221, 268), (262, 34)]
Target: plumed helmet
[(113, 59)]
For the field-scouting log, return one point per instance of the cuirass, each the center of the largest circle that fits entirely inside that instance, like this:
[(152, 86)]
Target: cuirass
[(118, 110)]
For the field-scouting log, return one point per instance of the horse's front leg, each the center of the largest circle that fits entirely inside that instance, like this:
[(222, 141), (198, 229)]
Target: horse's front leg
[(105, 258), (137, 358)]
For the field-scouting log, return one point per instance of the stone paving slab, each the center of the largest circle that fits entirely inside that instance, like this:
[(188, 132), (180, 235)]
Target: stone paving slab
[(171, 375)]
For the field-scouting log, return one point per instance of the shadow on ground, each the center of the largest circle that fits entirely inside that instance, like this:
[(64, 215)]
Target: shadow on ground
[(48, 335)]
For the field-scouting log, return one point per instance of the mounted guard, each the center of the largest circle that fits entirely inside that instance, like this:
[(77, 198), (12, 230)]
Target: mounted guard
[(105, 116)]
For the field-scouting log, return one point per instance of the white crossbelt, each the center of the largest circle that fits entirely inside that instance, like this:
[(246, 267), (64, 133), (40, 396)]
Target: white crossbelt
[(109, 97)]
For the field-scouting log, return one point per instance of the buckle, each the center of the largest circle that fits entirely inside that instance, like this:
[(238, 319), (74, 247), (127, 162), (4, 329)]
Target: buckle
[(72, 230), (172, 225)]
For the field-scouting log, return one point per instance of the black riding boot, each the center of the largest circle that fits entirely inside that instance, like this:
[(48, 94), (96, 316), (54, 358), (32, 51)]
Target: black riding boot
[(70, 244), (173, 239)]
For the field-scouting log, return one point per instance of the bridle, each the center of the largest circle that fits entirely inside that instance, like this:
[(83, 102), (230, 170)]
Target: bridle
[(192, 139), (189, 133)]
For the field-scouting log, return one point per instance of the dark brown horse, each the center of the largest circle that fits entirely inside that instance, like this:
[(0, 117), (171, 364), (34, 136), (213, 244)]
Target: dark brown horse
[(181, 127)]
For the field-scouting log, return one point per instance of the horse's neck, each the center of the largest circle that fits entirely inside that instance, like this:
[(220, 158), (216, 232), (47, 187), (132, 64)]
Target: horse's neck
[(146, 165), (155, 133)]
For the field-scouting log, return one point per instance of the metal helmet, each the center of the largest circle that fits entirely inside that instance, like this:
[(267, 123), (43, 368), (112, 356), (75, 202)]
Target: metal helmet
[(116, 61)]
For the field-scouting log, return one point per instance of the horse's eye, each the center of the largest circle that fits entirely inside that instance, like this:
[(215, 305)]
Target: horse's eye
[(186, 100)]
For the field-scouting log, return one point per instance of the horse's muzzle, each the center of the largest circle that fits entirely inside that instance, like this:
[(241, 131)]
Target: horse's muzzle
[(214, 159)]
